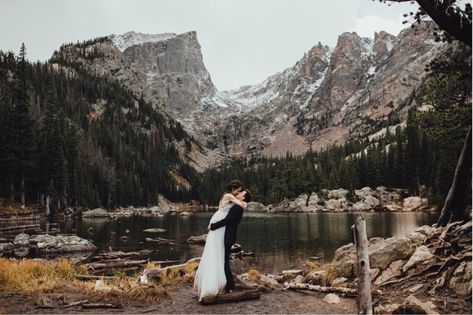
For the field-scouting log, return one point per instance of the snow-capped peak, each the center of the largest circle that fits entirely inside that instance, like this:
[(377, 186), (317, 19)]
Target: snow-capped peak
[(132, 38)]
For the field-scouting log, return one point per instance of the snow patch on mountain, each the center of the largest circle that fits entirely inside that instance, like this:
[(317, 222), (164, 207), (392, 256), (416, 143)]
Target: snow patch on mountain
[(132, 38)]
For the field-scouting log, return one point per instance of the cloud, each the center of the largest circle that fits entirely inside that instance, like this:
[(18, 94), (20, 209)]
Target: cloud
[(365, 26)]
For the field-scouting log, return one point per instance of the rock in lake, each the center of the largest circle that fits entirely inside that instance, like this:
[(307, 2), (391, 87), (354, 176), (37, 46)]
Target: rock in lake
[(412, 203), (62, 244), (96, 213)]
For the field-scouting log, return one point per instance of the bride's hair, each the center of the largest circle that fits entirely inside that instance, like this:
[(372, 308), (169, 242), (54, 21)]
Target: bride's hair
[(234, 184)]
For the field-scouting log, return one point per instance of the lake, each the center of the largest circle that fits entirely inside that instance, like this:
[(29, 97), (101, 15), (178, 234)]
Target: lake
[(279, 241)]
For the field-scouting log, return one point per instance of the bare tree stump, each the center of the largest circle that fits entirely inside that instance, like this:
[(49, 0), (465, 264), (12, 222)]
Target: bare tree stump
[(363, 267)]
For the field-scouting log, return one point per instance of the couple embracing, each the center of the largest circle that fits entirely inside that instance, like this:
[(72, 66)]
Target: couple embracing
[(214, 274)]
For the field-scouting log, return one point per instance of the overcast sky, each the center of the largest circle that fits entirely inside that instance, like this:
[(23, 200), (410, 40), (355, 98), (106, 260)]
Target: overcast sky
[(243, 41)]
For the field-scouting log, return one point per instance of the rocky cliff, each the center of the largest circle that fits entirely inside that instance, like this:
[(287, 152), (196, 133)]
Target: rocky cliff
[(332, 95), (329, 96)]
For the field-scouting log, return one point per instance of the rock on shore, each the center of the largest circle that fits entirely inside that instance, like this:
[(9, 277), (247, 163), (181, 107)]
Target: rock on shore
[(341, 200), (47, 244)]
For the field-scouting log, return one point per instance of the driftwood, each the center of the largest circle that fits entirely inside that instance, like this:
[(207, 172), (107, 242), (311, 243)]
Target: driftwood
[(160, 240), (101, 305), (154, 230), (365, 305), (318, 288), (118, 263), (120, 254), (76, 303), (162, 262), (235, 296), (197, 239), (19, 227), (93, 277)]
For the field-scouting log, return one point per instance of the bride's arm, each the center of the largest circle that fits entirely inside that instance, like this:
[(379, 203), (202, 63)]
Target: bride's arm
[(233, 199)]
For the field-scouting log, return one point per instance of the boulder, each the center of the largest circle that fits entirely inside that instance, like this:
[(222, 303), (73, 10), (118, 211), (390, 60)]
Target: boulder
[(393, 270), (344, 259), (368, 203), (412, 305), (383, 253), (313, 200), (62, 244), (96, 213), (6, 247), (427, 230), (336, 204), (337, 194), (411, 203), (341, 282), (184, 214), (420, 256), (22, 240), (331, 298), (256, 207), (364, 192)]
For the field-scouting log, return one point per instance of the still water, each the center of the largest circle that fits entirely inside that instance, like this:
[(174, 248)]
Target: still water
[(279, 241)]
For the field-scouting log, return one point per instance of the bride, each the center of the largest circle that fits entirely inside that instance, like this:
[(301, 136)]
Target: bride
[(210, 276)]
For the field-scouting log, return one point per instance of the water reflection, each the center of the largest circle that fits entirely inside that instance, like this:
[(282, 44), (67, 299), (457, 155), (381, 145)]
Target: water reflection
[(280, 241)]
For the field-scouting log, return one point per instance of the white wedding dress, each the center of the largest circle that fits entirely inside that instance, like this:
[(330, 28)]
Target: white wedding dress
[(210, 276)]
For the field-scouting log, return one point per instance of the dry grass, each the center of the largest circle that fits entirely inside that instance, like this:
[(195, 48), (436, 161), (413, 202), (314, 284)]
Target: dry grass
[(330, 275), (33, 275), (254, 275), (312, 266)]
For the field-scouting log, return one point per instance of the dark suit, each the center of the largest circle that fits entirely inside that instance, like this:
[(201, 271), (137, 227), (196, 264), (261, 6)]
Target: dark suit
[(231, 222)]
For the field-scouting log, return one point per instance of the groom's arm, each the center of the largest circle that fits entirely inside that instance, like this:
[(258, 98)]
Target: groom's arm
[(231, 216)]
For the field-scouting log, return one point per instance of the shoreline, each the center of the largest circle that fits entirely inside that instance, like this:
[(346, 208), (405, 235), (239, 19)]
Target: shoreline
[(395, 264)]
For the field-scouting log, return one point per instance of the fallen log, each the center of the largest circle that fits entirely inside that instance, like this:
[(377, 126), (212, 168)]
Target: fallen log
[(160, 240), (154, 230), (318, 288), (235, 296), (197, 239), (120, 254), (101, 305), (164, 262), (76, 303), (116, 264), (93, 277), (19, 227)]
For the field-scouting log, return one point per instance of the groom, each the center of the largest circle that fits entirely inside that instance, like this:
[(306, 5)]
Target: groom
[(231, 222)]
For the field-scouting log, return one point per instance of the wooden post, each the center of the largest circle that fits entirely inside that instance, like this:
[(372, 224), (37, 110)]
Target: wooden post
[(363, 267)]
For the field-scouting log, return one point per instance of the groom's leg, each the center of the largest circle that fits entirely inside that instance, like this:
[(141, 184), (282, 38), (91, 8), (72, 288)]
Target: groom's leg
[(228, 273)]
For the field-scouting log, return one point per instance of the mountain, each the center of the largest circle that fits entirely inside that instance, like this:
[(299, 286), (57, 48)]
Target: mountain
[(332, 95), (329, 96)]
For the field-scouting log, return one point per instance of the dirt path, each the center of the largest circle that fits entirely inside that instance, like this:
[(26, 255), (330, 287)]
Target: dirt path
[(182, 299)]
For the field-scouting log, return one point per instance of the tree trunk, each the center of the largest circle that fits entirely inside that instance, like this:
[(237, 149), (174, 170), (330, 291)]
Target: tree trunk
[(363, 267), (12, 191), (48, 211), (454, 207), (23, 201)]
